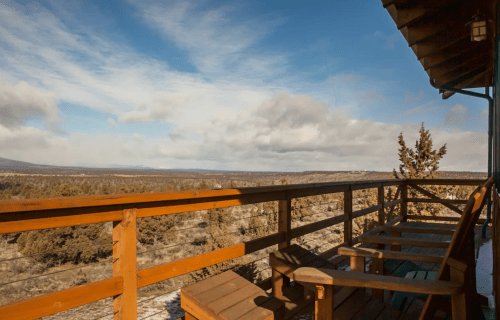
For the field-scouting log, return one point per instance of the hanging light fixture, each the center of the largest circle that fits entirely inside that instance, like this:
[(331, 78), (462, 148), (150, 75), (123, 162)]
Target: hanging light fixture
[(478, 27)]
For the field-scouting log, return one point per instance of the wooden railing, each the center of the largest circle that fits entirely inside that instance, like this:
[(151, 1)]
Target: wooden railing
[(124, 210)]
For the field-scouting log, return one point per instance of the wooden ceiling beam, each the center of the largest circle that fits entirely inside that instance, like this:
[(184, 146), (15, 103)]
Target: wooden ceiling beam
[(386, 3), (403, 17), (436, 60), (418, 34), (438, 44), (460, 70), (469, 83), (405, 13), (457, 74)]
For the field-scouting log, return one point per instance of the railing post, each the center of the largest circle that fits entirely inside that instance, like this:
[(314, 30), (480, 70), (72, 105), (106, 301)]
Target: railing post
[(348, 214), (125, 265), (285, 220), (404, 204), (284, 225), (381, 201)]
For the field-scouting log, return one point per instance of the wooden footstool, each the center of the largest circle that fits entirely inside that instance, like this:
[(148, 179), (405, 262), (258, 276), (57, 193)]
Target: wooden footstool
[(228, 296)]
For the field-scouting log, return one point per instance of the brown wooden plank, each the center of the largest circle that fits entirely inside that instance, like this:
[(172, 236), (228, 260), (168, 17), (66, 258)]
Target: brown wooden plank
[(442, 41), (285, 221), (348, 309), (52, 303), (366, 185), (415, 217), (386, 254), (228, 301), (315, 226), (57, 222), (221, 292), (269, 310), (364, 212), (373, 281), (179, 267), (388, 314), (349, 218), (125, 265), (393, 203), (417, 34), (194, 310), (370, 310), (207, 284), (437, 199), (404, 241), (417, 230), (446, 182), (242, 307), (448, 201)]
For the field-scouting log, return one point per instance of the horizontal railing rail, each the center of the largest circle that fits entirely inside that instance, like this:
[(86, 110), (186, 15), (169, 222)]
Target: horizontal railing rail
[(124, 210)]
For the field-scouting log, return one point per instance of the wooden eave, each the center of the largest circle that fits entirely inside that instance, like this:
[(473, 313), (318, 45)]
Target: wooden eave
[(436, 32)]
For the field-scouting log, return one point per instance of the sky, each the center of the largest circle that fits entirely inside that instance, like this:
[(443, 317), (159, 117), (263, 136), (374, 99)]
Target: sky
[(223, 85)]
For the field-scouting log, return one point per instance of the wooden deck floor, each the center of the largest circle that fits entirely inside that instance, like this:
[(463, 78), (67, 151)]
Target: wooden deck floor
[(353, 303)]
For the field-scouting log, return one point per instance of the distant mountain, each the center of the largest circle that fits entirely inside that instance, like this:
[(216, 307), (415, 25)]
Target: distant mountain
[(13, 164)]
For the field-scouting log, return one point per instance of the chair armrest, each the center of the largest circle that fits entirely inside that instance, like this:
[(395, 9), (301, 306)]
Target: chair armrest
[(387, 254), (404, 241), (373, 281)]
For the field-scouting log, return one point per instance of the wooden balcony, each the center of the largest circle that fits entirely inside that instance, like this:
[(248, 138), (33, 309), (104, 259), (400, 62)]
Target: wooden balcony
[(351, 226)]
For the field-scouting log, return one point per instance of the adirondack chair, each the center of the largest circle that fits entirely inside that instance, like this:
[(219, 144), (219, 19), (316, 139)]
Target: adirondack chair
[(452, 279)]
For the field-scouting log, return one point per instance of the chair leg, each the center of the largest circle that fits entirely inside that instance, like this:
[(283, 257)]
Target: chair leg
[(323, 304), (277, 282), (378, 268), (461, 304)]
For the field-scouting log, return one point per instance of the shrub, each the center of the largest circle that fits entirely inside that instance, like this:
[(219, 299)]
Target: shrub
[(67, 244)]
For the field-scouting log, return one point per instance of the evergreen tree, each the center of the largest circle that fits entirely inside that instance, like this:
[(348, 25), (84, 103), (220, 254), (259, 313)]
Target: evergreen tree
[(423, 163)]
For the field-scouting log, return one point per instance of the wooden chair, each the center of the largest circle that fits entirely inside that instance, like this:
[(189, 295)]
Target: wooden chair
[(453, 277)]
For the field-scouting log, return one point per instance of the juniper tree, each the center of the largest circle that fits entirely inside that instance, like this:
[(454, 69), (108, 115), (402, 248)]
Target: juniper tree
[(421, 163)]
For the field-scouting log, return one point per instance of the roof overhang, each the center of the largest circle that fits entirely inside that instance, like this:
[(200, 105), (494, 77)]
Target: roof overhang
[(436, 31)]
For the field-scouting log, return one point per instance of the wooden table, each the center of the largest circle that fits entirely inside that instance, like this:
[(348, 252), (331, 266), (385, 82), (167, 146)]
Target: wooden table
[(229, 296)]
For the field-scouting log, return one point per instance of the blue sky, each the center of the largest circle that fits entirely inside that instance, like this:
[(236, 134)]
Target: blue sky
[(253, 85)]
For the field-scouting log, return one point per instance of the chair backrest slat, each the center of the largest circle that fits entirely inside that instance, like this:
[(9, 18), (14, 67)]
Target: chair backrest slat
[(466, 224)]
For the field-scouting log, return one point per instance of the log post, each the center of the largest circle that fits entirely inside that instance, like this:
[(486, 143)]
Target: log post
[(381, 201), (404, 204), (285, 221), (348, 214), (125, 265), (284, 225)]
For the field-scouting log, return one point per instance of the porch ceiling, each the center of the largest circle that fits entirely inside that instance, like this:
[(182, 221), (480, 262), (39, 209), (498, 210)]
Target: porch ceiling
[(436, 32)]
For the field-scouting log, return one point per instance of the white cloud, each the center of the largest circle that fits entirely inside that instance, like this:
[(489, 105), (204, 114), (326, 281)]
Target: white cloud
[(281, 133), (218, 39), (112, 122), (410, 98), (455, 116), (22, 102), (424, 108)]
